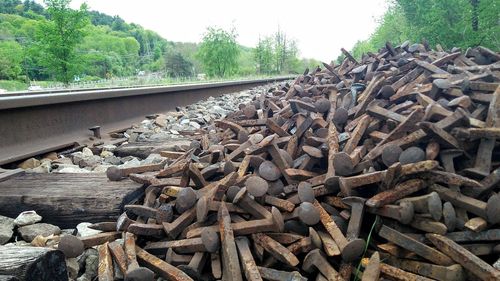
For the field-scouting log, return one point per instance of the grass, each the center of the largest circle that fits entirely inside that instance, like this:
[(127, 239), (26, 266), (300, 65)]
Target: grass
[(13, 85), (368, 239)]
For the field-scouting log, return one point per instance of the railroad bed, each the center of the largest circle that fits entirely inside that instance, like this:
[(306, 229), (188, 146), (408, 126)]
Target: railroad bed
[(386, 167)]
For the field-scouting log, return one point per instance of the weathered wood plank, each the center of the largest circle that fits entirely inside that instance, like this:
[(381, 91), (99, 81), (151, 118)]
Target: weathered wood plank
[(32, 263), (68, 199)]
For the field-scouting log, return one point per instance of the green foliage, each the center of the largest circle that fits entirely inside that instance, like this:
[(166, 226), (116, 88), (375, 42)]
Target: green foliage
[(58, 38), (13, 85), (306, 63), (176, 65), (246, 62), (219, 52), (28, 8), (107, 55), (277, 54), (264, 55), (188, 51), (450, 23), (10, 59)]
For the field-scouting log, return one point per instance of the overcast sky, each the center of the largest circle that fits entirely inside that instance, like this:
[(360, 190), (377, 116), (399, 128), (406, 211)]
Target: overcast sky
[(321, 27)]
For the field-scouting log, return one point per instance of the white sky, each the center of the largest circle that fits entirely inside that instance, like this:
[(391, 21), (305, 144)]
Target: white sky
[(321, 27)]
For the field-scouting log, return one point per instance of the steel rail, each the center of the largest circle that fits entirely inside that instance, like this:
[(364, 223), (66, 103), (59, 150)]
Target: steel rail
[(34, 124), (104, 88)]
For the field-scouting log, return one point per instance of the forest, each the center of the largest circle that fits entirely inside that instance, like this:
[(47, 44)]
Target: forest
[(108, 47), (450, 23)]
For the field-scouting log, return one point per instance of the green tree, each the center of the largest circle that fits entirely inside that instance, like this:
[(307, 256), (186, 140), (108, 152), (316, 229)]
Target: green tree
[(219, 52), (280, 50), (9, 6), (188, 51), (177, 66), (453, 23), (277, 54), (450, 23), (10, 59), (58, 38), (264, 55)]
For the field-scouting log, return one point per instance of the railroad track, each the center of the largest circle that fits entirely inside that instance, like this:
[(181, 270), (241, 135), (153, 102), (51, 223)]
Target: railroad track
[(39, 122)]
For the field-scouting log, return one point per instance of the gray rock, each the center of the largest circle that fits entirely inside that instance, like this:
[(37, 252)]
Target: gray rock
[(161, 121), (112, 160), (194, 125), (84, 277), (68, 231), (62, 161), (109, 147), (87, 152), (27, 218), (134, 162), (153, 158), (73, 170), (133, 137), (83, 257), (29, 232), (176, 127), (101, 168), (91, 264), (105, 154), (6, 229), (77, 157), (497, 264), (217, 109), (73, 268), (83, 230), (44, 168), (162, 136), (90, 161), (60, 166)]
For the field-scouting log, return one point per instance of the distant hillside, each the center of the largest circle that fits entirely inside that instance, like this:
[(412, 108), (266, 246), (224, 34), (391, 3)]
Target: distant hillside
[(111, 48)]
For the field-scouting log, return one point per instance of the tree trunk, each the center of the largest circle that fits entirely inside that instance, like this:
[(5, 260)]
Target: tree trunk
[(32, 263), (475, 15)]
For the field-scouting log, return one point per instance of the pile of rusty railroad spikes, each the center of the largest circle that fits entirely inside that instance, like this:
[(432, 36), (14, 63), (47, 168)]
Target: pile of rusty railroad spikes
[(374, 169)]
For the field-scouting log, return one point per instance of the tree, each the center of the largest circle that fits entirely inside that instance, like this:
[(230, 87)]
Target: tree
[(280, 49), (9, 6), (277, 54), (453, 23), (219, 52), (177, 66), (58, 37), (475, 15), (264, 55), (10, 60), (450, 23)]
